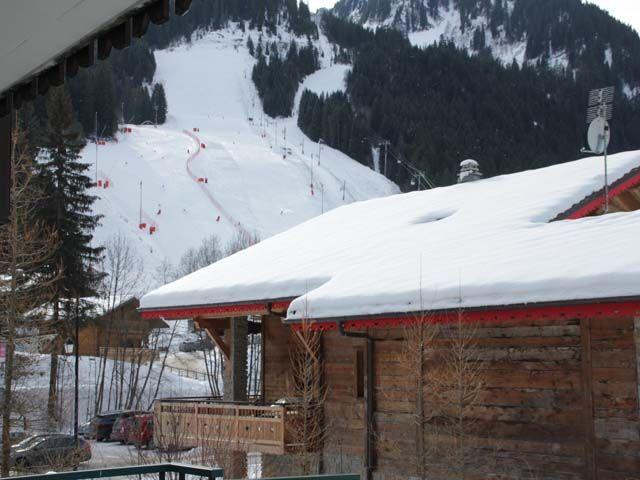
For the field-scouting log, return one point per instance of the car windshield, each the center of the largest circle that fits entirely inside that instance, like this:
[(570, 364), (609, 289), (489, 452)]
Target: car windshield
[(29, 442)]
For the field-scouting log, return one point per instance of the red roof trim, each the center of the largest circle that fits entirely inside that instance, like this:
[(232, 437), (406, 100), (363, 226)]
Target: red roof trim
[(257, 308), (592, 205), (612, 309)]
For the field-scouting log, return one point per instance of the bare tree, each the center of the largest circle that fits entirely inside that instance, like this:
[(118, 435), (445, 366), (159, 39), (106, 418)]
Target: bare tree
[(124, 279), (240, 241), (24, 246), (194, 259), (444, 368), (307, 430)]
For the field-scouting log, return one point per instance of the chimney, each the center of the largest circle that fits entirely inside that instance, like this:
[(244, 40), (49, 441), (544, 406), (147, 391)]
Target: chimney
[(469, 171)]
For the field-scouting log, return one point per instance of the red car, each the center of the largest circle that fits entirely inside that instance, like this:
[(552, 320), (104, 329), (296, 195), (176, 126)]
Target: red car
[(141, 430), (122, 425)]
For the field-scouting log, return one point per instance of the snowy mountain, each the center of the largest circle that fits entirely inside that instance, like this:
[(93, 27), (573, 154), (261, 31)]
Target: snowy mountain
[(219, 166), (565, 35)]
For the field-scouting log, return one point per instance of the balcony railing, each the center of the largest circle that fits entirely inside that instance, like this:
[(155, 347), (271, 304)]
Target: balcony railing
[(193, 422)]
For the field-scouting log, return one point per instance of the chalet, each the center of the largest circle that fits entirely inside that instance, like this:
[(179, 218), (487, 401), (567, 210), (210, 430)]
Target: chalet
[(120, 327), (524, 290)]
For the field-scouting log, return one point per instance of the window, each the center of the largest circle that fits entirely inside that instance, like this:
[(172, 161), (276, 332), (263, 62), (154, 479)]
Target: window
[(359, 364)]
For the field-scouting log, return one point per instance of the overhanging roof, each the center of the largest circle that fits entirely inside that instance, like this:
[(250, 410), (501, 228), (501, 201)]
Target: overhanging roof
[(49, 39)]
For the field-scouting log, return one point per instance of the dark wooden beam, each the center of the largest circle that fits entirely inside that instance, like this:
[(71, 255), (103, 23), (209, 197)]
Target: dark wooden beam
[(5, 162), (140, 23), (220, 343), (159, 12), (86, 55), (122, 34), (182, 6)]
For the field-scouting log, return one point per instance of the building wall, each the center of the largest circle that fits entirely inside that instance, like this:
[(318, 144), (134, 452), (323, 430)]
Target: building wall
[(556, 399)]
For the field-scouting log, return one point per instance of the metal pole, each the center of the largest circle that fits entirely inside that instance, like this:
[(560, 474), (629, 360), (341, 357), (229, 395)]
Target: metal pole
[(606, 182), (77, 369), (96, 140)]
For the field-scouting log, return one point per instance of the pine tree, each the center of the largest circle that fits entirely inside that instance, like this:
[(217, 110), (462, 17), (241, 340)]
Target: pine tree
[(66, 210), (159, 102)]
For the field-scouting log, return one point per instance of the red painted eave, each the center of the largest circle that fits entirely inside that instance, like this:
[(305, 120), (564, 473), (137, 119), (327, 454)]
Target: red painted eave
[(592, 205), (558, 311), (212, 311)]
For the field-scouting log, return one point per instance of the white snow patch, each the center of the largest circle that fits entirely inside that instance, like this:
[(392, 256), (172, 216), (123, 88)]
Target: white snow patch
[(327, 80)]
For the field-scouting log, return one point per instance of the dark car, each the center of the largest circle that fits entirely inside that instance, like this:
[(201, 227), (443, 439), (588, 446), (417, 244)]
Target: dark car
[(196, 345), (103, 425), (49, 450), (87, 430), (122, 425), (141, 430)]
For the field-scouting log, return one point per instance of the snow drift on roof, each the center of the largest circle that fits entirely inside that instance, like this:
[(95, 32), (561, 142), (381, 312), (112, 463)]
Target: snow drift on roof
[(480, 244)]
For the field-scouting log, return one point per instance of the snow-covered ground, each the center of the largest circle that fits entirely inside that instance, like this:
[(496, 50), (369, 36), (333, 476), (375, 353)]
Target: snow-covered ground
[(240, 171)]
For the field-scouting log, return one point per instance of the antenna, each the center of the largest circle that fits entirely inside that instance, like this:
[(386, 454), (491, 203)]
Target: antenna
[(599, 111)]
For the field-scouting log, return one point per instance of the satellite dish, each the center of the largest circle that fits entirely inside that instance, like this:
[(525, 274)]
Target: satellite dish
[(598, 135)]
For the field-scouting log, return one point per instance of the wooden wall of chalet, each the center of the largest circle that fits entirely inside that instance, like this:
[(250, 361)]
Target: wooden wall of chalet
[(559, 399)]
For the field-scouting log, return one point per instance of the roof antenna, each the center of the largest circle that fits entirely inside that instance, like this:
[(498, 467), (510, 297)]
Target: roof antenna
[(599, 111)]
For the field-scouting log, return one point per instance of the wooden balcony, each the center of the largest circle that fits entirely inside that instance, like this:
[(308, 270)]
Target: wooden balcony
[(220, 425)]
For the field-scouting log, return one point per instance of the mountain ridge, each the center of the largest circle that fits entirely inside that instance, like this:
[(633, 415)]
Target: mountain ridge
[(568, 35)]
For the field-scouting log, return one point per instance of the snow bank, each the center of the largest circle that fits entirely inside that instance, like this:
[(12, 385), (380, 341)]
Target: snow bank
[(483, 243)]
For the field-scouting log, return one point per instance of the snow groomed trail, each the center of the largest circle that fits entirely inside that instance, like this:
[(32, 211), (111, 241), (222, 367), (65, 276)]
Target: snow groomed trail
[(204, 187), (247, 180)]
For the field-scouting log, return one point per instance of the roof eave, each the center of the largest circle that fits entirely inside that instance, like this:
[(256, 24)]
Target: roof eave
[(577, 309), (255, 307)]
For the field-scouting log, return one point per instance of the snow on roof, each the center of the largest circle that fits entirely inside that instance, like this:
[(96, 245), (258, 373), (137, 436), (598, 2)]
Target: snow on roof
[(479, 244)]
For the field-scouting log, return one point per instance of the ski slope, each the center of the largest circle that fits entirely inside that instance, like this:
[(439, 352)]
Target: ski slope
[(219, 165)]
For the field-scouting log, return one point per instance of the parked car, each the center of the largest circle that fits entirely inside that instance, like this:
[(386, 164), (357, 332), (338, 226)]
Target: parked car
[(49, 450), (103, 425), (122, 425), (87, 430), (141, 431), (196, 345)]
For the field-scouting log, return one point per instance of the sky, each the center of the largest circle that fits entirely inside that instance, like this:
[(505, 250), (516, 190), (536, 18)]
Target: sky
[(626, 10)]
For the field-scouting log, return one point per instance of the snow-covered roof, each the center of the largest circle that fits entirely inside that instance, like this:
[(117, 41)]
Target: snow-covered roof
[(480, 244)]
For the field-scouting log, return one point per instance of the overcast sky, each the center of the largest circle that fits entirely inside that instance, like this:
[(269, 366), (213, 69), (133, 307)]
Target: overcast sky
[(626, 10)]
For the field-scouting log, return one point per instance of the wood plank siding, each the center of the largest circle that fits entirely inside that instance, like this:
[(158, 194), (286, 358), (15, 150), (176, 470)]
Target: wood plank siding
[(558, 399)]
